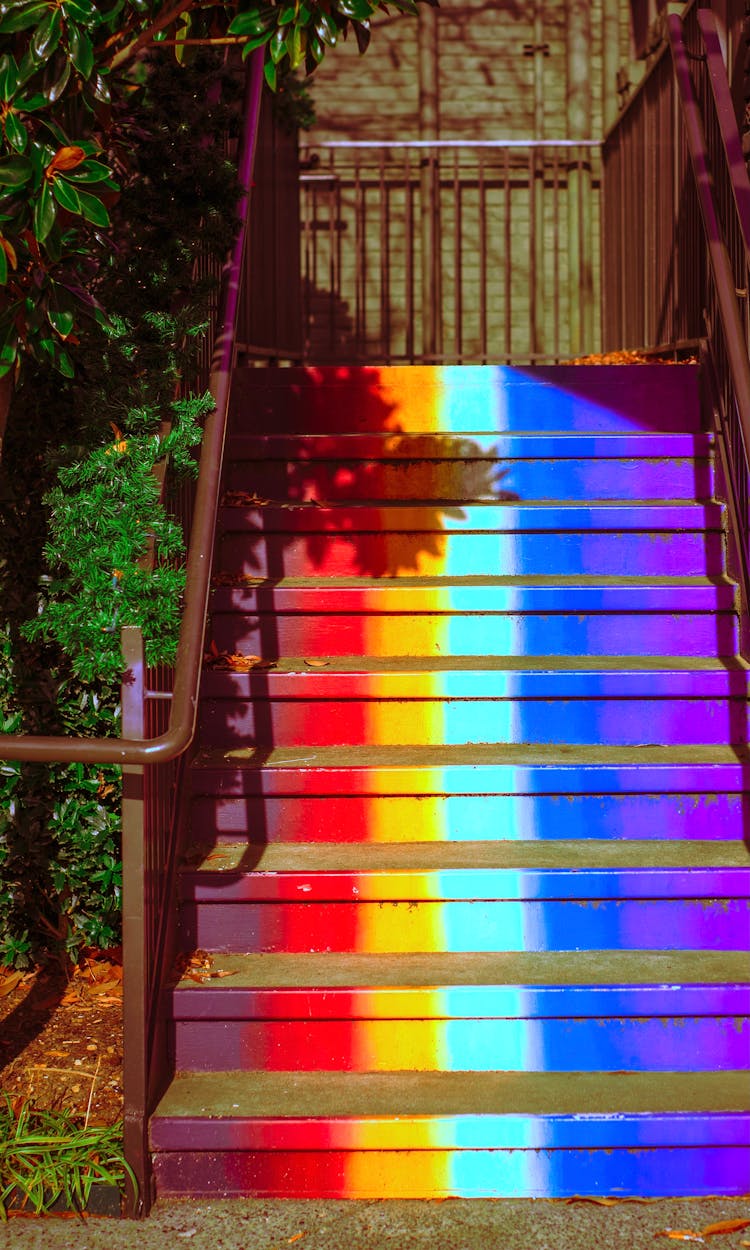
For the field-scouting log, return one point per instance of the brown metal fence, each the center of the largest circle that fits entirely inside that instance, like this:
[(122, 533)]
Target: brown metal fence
[(450, 252), (676, 238), (159, 707)]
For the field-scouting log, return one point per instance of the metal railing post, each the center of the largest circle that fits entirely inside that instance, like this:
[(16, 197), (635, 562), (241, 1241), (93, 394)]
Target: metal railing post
[(134, 938)]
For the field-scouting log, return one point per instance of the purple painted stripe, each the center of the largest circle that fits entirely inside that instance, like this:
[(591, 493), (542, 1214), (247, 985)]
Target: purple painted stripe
[(522, 884), (228, 1001), (616, 1129)]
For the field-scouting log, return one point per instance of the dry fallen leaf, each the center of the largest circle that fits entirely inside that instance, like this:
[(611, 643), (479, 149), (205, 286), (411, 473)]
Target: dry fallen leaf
[(679, 1234), (244, 499), (724, 1226), (599, 1202), (318, 663), (234, 662), (8, 984)]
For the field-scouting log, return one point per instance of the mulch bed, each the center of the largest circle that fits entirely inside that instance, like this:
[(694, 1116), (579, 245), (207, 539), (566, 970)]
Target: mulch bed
[(61, 1037)]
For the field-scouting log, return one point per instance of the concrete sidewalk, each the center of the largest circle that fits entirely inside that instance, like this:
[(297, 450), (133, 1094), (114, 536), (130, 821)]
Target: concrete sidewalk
[(454, 1224)]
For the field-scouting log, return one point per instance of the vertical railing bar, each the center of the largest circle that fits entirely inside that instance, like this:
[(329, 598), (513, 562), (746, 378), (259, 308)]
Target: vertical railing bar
[(457, 231), (333, 211), (383, 268), (482, 206), (361, 260), (556, 249), (409, 276), (508, 256), (531, 175)]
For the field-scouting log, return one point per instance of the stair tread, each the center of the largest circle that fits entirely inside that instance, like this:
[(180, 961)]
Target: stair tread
[(398, 1095), (432, 857), (404, 665), (561, 581), (469, 756), (418, 970)]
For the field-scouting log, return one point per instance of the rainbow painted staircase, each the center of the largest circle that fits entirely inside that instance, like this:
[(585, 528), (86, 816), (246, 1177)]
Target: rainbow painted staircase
[(475, 842)]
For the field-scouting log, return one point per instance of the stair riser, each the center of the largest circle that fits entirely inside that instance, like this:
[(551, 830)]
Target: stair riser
[(471, 554), (465, 817), (563, 1045), (698, 634), (535, 448), (458, 400), (432, 722), (465, 1173), (676, 924), (466, 480)]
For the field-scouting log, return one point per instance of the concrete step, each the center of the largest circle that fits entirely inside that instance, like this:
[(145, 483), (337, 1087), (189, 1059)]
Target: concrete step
[(450, 986), (393, 703), (469, 897), (492, 870), (514, 769), (666, 1011), (473, 616), (467, 400), (455, 468), (420, 1135)]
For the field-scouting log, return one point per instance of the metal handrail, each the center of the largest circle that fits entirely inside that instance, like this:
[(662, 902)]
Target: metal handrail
[(179, 734), (730, 137), (718, 255)]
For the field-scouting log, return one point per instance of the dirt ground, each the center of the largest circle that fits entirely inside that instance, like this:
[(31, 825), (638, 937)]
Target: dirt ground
[(61, 1037)]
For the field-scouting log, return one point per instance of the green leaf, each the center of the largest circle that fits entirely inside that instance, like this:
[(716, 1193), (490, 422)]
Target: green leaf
[(315, 47), (359, 10), (362, 34), (62, 322), (93, 210), (81, 50), (298, 44), (15, 171), (8, 77), (66, 196), (15, 132), (327, 30), (45, 212), (21, 17), (277, 44), (8, 349), (46, 36), (285, 15), (269, 73), (84, 10), (58, 86), (101, 90), (3, 267), (252, 44), (64, 364), (89, 171), (254, 22)]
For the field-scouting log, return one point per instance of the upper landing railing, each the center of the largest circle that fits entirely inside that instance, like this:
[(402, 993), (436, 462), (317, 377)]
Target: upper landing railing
[(450, 252), (676, 238)]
